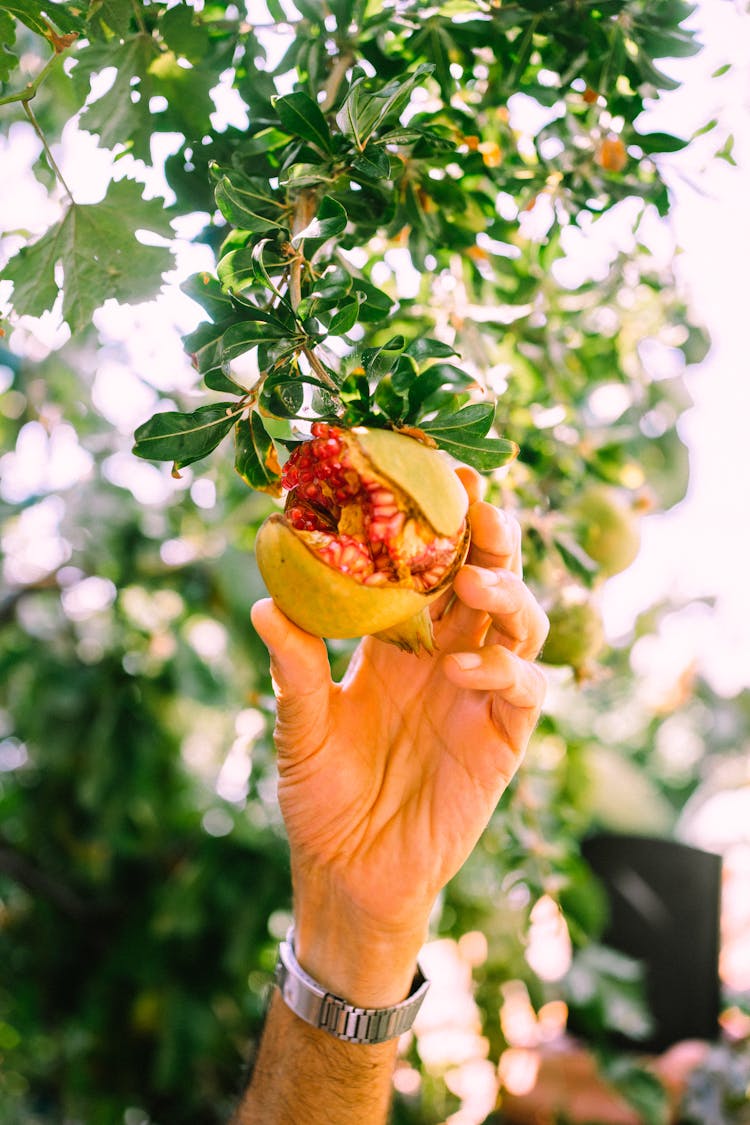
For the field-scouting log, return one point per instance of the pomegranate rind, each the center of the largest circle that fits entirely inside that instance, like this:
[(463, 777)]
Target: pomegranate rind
[(424, 474), (323, 601)]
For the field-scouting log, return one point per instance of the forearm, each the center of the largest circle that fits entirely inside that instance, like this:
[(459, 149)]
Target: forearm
[(304, 1076)]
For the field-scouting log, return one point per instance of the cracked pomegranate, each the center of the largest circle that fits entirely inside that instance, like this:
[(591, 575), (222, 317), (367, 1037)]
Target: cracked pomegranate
[(373, 530)]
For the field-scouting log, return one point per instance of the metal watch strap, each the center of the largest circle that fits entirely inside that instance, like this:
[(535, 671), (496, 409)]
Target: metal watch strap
[(324, 1010)]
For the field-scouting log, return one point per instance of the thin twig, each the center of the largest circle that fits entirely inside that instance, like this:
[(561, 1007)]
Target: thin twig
[(48, 152), (139, 18), (30, 89), (319, 369), (304, 210), (334, 80)]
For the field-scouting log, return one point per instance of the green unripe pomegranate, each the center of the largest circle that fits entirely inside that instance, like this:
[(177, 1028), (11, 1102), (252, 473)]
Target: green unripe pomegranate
[(576, 636), (373, 530), (609, 532)]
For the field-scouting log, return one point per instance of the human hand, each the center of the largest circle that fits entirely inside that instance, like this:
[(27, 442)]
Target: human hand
[(387, 780)]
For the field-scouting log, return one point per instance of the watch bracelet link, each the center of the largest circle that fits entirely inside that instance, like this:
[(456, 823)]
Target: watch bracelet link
[(328, 1012)]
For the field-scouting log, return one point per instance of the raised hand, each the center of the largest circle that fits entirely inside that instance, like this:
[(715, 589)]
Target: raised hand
[(387, 780)]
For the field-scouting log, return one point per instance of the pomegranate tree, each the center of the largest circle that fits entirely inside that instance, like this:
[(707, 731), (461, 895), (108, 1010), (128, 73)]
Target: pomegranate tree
[(373, 530)]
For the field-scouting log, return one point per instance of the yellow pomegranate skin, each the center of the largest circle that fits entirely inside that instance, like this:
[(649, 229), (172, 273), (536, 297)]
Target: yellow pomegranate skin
[(373, 531)]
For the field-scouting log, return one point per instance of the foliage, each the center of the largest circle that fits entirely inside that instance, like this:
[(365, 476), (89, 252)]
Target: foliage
[(395, 231)]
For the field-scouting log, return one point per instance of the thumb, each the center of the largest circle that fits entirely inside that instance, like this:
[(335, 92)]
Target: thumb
[(299, 664)]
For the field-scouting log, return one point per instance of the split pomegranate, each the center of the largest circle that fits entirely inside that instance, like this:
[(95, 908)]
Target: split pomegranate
[(373, 530)]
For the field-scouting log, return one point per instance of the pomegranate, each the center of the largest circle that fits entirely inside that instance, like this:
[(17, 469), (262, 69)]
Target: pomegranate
[(373, 530), (612, 155)]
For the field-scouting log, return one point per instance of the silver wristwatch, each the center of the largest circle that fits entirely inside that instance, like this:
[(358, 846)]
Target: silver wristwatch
[(312, 1003)]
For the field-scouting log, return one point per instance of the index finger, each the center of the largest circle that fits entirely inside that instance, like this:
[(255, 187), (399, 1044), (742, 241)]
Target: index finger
[(495, 538)]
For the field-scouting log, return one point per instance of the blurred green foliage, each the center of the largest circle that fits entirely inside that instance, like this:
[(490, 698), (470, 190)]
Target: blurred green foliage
[(143, 869)]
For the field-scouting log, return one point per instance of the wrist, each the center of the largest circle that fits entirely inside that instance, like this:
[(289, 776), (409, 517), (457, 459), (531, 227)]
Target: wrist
[(370, 962), (353, 1023)]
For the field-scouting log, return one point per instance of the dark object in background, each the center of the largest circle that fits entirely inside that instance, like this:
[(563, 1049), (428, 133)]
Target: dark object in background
[(664, 902)]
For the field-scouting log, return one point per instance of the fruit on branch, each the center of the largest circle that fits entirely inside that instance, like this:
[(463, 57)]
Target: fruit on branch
[(608, 529), (612, 155), (576, 636), (373, 530)]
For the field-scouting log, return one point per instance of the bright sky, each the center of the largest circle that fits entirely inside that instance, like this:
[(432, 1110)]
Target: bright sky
[(701, 547), (698, 550)]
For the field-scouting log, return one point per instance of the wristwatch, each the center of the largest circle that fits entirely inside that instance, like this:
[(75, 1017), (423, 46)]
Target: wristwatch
[(322, 1009)]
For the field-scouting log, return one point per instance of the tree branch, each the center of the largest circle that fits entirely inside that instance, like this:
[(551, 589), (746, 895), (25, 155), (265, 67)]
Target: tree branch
[(305, 204), (335, 78), (28, 875), (319, 369), (30, 89)]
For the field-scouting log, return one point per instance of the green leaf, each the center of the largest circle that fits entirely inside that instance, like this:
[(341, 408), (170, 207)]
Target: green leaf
[(302, 117), (461, 435), (726, 151), (38, 15), (283, 395), (377, 362), (8, 60), (435, 378), (207, 291), (402, 136), (184, 33), (205, 345), (355, 393), (344, 320), (675, 44), (247, 202), (364, 111), (245, 335), (266, 140), (185, 438), (707, 128), (375, 304), (389, 399), (330, 220), (441, 46), (187, 91), (577, 562), (263, 260), (652, 74), (100, 255), (484, 454), (306, 175), (219, 379), (373, 165), (640, 1087), (660, 142), (475, 419), (112, 16), (116, 117), (424, 347), (241, 268), (333, 285), (256, 459)]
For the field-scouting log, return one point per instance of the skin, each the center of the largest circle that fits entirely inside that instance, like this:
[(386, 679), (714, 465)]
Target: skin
[(386, 782)]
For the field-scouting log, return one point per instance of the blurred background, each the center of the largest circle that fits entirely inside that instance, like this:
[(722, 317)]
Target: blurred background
[(143, 867)]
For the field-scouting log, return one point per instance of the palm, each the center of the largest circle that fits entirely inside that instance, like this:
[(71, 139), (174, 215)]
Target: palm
[(397, 770)]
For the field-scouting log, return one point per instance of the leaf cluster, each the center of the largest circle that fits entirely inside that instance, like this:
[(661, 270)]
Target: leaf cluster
[(396, 131)]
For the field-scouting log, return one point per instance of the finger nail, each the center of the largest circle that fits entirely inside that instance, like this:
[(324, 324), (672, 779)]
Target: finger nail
[(488, 577), (467, 661)]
